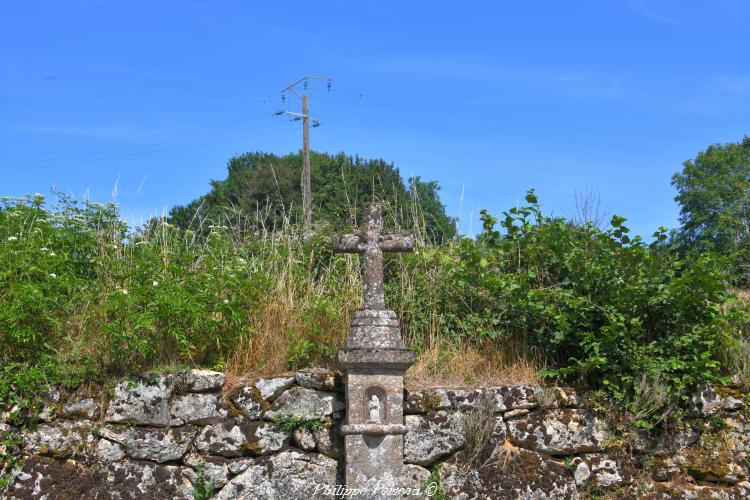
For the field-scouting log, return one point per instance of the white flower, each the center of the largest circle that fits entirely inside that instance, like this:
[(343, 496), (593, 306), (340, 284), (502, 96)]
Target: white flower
[(125, 291), (154, 283), (52, 275), (43, 249), (226, 301), (52, 254), (12, 238)]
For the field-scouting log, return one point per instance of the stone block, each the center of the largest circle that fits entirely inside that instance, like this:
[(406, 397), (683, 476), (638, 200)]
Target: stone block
[(597, 470), (291, 475), (559, 432), (709, 401), (514, 397), (64, 440), (199, 380), (215, 470), (271, 388), (155, 445), (323, 379), (248, 401), (329, 441), (197, 409), (107, 451), (430, 438), (426, 401), (80, 408), (306, 403), (42, 477), (223, 439), (304, 439), (509, 473), (141, 402)]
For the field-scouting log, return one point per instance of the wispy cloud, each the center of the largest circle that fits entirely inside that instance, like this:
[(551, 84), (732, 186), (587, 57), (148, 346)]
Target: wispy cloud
[(465, 69), (572, 82), (642, 8), (733, 83)]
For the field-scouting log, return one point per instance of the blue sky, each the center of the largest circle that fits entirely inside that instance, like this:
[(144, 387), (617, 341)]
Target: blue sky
[(489, 99)]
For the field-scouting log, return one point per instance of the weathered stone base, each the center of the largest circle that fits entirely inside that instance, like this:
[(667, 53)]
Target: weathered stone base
[(374, 450), (373, 462)]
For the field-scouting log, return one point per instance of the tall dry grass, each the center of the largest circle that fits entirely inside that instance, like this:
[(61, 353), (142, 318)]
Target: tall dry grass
[(443, 364), (277, 325)]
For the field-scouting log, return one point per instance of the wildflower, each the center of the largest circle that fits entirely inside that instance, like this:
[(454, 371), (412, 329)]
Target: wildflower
[(12, 238), (154, 283), (43, 249), (52, 275), (124, 291), (226, 301), (52, 254)]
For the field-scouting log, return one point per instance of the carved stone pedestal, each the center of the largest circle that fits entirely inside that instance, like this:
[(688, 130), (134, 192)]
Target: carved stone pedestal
[(374, 429), (375, 361)]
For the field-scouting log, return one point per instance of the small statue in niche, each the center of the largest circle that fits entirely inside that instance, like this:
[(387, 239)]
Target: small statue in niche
[(374, 406)]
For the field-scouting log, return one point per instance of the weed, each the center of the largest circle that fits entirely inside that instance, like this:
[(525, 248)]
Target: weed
[(716, 424), (651, 402), (288, 422), (432, 485), (599, 402), (478, 424), (203, 489)]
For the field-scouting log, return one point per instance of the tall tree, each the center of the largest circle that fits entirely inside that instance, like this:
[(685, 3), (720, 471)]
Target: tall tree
[(264, 188), (714, 197)]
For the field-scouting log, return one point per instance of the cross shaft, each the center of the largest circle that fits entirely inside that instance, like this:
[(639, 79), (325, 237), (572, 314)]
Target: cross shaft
[(371, 243)]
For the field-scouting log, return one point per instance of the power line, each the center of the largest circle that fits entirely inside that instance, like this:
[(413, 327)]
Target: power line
[(590, 127), (138, 146), (142, 137), (495, 133), (141, 153)]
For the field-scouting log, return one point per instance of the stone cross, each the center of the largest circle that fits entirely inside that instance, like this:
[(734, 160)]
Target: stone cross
[(372, 244), (374, 359)]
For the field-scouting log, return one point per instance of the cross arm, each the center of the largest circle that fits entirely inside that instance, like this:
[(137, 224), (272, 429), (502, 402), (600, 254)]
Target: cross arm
[(396, 242), (348, 243)]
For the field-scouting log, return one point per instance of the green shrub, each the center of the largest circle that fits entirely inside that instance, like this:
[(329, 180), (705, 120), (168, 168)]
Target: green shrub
[(81, 297), (603, 307)]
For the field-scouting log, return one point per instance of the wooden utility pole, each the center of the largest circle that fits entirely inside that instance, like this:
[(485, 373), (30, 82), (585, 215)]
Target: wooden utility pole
[(306, 187), (305, 116)]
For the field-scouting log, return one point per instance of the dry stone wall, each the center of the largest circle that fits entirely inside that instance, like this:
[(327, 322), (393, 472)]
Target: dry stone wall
[(162, 436)]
